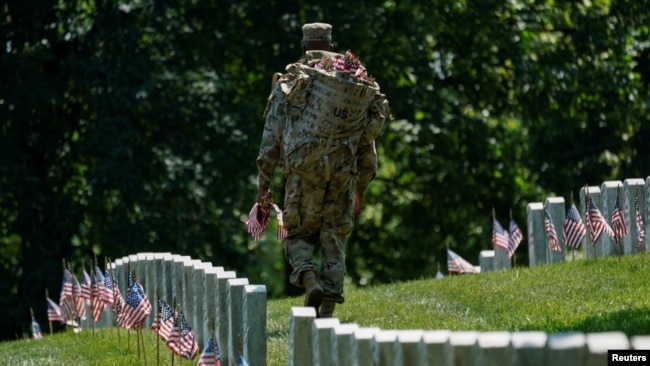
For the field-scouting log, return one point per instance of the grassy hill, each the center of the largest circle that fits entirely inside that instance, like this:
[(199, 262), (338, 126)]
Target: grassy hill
[(585, 295)]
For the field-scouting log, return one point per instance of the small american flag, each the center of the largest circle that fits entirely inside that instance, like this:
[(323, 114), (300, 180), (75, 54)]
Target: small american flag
[(596, 222), (640, 232), (181, 339), (54, 312), (85, 285), (241, 361), (573, 231), (258, 218), (210, 355), (100, 281), (515, 237), (66, 288), (79, 301), (36, 330), (618, 222), (107, 289), (136, 308), (551, 234), (499, 236), (118, 304), (96, 304), (66, 303), (164, 321), (457, 264)]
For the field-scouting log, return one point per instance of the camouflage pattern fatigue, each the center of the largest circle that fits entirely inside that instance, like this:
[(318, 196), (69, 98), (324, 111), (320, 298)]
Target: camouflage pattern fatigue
[(324, 165), (319, 212)]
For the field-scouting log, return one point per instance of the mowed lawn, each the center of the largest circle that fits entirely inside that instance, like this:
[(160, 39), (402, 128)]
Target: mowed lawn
[(607, 294)]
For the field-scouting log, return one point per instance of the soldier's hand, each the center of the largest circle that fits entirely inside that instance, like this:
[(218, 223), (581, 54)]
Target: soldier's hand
[(261, 194), (358, 203)]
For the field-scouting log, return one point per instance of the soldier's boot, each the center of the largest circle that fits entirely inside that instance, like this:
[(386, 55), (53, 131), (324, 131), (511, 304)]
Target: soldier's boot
[(313, 291), (327, 309)]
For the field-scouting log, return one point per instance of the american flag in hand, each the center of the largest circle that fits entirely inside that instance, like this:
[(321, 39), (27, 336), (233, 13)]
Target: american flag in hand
[(258, 218)]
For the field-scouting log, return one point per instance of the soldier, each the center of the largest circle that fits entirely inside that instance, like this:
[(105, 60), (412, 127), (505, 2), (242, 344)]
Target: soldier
[(328, 164)]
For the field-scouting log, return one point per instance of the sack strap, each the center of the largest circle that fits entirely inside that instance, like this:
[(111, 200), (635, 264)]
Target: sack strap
[(275, 78)]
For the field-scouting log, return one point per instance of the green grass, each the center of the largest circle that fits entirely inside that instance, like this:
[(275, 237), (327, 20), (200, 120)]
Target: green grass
[(585, 295)]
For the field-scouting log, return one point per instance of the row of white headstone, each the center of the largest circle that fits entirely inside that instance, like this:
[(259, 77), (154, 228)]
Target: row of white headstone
[(205, 294), (605, 198), (327, 342)]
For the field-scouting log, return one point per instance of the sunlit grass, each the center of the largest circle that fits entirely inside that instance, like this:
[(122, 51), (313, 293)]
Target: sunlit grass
[(585, 295)]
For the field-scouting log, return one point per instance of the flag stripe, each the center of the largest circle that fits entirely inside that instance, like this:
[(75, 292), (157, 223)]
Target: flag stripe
[(499, 236), (573, 231), (457, 264), (551, 234)]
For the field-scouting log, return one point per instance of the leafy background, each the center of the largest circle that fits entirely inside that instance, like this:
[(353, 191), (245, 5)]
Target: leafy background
[(132, 126)]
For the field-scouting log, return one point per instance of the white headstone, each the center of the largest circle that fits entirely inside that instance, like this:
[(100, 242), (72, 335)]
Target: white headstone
[(365, 345), (529, 348), (223, 313), (236, 316), (487, 260), (493, 349), (606, 246), (630, 188), (462, 343), (414, 351), (300, 336), (537, 248), (388, 352), (254, 324), (323, 349), (438, 348), (345, 344), (599, 343), (566, 349), (557, 211)]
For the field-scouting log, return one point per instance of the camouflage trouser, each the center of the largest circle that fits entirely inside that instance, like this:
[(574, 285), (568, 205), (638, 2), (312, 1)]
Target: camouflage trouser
[(318, 211)]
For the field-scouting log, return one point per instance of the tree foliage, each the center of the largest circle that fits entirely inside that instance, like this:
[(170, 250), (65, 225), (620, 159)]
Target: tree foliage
[(134, 126)]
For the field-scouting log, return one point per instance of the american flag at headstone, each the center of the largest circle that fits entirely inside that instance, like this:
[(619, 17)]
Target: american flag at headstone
[(79, 300), (66, 287), (457, 264), (618, 222), (85, 285), (181, 339), (164, 321), (596, 222), (100, 281), (210, 355), (499, 236), (515, 237), (107, 289), (37, 333), (118, 304), (54, 312), (66, 302), (96, 303), (573, 231), (640, 230), (241, 361), (551, 234), (137, 307)]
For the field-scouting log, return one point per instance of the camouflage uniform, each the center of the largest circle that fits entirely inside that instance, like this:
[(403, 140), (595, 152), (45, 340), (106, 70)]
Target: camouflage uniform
[(323, 170)]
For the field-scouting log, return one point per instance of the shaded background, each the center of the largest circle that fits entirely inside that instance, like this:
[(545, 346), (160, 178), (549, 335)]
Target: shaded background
[(132, 126)]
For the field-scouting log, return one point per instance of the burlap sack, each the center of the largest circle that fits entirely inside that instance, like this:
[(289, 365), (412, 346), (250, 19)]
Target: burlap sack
[(324, 106)]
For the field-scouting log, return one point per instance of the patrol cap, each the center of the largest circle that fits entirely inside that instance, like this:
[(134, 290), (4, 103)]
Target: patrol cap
[(316, 32)]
